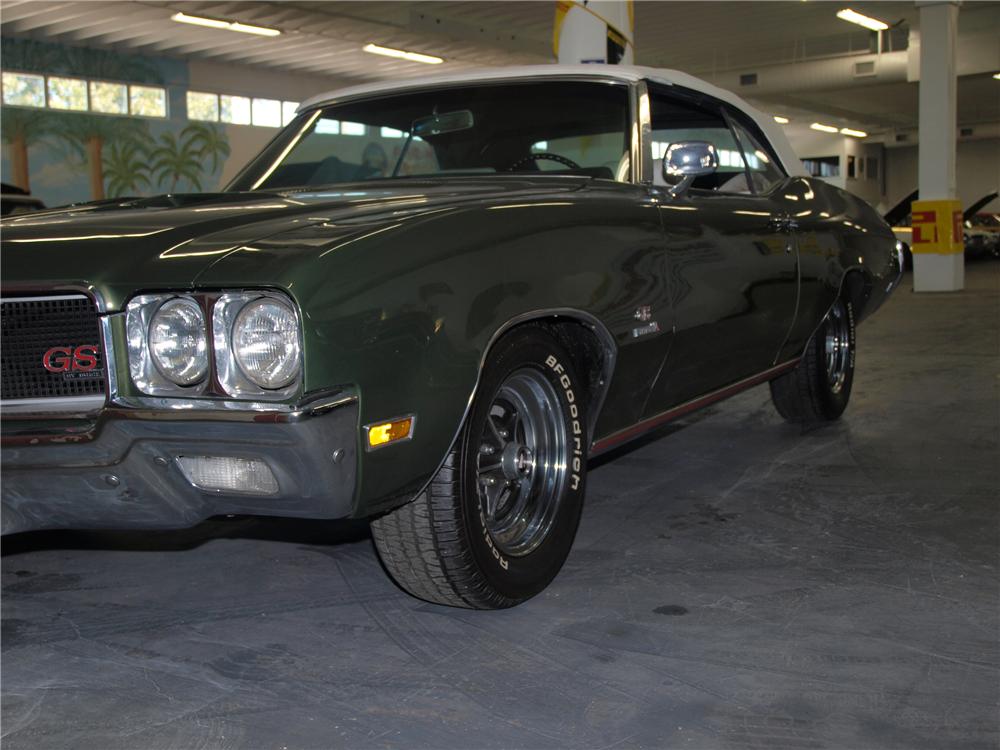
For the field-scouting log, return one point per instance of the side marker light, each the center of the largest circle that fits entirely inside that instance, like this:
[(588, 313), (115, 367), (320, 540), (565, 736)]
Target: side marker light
[(383, 433)]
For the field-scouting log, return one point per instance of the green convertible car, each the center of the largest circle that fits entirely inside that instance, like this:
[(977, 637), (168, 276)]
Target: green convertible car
[(428, 303)]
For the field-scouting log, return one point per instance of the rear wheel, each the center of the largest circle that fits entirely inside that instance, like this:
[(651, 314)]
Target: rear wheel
[(820, 387), (497, 521)]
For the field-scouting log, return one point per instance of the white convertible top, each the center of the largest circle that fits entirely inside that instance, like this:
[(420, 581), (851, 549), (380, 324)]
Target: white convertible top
[(626, 73)]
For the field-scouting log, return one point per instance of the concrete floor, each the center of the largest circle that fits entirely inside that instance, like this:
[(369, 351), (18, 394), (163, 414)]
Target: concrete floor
[(735, 584)]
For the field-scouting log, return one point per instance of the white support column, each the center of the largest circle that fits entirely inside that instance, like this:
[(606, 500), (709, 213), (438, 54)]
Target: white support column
[(594, 31), (938, 259)]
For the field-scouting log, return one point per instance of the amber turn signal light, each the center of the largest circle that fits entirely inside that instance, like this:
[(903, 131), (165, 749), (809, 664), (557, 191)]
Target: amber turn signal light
[(383, 433)]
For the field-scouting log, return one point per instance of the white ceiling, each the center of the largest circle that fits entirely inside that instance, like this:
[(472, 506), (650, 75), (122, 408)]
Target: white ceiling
[(325, 38)]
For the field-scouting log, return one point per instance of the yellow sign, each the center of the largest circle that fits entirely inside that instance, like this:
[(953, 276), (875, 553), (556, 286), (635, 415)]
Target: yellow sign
[(937, 227)]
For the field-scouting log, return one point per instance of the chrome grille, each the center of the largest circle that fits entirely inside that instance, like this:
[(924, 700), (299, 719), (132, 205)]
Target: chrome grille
[(34, 330)]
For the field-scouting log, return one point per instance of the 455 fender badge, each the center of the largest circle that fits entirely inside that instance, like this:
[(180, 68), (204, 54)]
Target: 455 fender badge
[(645, 330)]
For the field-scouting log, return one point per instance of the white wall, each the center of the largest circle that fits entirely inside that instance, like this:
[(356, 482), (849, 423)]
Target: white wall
[(977, 170), (225, 78), (810, 143)]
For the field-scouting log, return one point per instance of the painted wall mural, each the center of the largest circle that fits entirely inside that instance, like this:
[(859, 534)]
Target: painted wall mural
[(66, 156)]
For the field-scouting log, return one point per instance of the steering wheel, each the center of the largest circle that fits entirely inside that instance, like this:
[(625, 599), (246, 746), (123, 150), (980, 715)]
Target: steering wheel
[(544, 155)]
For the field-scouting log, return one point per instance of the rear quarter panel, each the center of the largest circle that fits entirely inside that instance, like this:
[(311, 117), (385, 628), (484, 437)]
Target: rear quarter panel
[(839, 234)]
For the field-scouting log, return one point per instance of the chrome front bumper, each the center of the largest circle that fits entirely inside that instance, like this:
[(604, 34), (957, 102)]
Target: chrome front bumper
[(119, 469)]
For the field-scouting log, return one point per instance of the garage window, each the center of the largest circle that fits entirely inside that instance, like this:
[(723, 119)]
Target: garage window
[(202, 106), (67, 93), (148, 101), (235, 109), (110, 98), (24, 90), (266, 113)]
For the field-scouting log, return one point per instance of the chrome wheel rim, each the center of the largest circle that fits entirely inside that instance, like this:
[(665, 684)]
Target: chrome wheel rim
[(838, 348), (522, 461)]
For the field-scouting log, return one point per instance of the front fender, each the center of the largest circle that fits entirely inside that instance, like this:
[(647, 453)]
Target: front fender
[(405, 310)]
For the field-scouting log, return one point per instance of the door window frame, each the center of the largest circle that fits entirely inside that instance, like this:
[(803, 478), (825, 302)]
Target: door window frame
[(643, 131)]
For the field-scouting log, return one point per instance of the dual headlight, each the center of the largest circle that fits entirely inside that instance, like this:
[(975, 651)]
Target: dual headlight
[(254, 343)]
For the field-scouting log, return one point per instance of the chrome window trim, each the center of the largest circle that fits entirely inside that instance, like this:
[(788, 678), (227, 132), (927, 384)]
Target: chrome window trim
[(643, 146), (409, 88)]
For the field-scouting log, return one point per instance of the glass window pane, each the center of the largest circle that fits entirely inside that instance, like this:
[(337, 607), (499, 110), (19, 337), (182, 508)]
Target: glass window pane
[(234, 109), (67, 93), (468, 129), (326, 126), (24, 89), (678, 121), (111, 98), (202, 106), (267, 112), (149, 101), (288, 112), (764, 171)]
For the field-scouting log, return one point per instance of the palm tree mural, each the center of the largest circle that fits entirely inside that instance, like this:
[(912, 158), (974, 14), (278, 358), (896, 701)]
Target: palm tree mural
[(22, 128), (126, 169), (86, 135), (176, 159), (210, 141)]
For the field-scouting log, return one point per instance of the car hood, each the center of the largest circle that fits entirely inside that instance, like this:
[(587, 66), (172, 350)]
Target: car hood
[(116, 248), (975, 207)]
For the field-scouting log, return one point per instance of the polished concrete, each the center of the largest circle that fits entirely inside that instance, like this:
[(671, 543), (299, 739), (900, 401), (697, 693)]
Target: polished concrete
[(736, 583)]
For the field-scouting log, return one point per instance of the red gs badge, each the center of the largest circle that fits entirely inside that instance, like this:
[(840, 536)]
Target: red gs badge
[(67, 359)]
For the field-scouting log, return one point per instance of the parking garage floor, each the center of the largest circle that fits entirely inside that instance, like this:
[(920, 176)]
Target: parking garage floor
[(736, 583)]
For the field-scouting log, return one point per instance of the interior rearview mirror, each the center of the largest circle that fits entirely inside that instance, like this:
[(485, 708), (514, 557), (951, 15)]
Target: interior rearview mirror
[(685, 160), (446, 122)]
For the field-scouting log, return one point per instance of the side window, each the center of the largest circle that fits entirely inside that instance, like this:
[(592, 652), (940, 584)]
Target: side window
[(674, 120), (764, 170)]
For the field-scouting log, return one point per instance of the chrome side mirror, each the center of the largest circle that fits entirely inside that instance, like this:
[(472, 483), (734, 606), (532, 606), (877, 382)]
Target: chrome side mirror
[(686, 160)]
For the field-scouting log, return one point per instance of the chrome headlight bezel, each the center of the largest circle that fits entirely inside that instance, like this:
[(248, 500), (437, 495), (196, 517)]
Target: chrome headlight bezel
[(146, 374), (230, 374)]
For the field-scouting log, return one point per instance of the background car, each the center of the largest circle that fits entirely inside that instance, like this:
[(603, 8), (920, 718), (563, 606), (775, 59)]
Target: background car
[(981, 231)]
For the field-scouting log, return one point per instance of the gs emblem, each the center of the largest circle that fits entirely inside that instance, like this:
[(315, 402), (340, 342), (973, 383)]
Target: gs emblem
[(65, 358)]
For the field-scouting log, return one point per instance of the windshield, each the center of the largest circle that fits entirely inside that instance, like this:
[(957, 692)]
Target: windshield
[(563, 127)]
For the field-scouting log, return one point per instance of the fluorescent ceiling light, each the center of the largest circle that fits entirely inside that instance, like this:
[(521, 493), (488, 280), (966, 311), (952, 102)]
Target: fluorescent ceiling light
[(781, 120), (855, 133), (862, 20), (997, 76), (824, 128), (215, 23), (402, 54)]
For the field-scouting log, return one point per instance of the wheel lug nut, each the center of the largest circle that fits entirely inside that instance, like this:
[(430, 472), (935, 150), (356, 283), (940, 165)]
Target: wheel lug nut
[(486, 449), (489, 481)]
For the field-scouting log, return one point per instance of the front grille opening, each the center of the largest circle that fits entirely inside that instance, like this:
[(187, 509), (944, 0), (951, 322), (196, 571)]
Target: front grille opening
[(32, 327)]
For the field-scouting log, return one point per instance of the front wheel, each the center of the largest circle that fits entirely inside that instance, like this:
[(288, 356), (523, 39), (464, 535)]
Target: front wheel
[(819, 388), (497, 521)]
